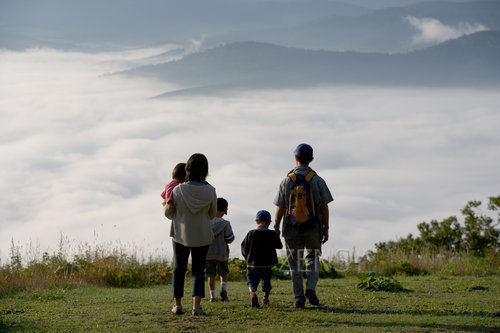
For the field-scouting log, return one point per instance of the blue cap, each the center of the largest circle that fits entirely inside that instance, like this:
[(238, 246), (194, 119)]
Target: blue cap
[(263, 215), (304, 151)]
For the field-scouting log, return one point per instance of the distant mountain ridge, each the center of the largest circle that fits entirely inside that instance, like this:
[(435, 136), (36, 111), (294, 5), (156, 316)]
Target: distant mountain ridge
[(130, 23), (383, 30), (360, 25), (467, 61)]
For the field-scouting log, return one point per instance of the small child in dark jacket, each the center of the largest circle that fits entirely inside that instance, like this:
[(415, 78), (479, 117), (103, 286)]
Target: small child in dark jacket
[(259, 250)]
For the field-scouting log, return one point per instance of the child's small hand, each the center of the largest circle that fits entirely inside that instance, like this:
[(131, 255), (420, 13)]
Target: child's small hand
[(164, 203)]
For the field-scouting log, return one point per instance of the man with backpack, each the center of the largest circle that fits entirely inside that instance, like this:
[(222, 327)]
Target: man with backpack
[(302, 204)]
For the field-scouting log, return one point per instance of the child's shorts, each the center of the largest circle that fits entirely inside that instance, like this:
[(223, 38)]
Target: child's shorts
[(254, 275), (217, 267)]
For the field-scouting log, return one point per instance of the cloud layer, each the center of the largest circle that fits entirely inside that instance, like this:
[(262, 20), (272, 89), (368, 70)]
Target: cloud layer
[(432, 31), (87, 155)]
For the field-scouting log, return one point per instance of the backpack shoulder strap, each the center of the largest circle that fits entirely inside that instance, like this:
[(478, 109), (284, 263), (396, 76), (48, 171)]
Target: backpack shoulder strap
[(310, 176)]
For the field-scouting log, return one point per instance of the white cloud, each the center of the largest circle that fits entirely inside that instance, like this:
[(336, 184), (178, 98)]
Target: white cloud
[(196, 45), (88, 155), (432, 31)]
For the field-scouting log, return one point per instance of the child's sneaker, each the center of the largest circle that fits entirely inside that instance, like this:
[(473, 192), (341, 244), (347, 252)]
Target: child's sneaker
[(265, 300), (198, 312), (223, 296), (255, 301), (177, 309), (214, 299)]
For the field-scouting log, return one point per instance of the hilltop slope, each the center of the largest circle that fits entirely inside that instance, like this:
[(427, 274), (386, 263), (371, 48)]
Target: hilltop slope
[(467, 61)]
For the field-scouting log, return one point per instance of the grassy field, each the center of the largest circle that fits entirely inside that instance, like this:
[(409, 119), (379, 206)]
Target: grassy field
[(430, 304)]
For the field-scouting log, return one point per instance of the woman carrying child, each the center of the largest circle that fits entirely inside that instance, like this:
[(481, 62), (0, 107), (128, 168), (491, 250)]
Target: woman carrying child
[(195, 205)]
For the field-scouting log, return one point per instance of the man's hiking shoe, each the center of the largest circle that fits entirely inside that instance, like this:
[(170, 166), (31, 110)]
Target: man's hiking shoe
[(177, 309), (198, 312), (255, 301), (223, 296), (300, 304), (265, 300), (311, 296)]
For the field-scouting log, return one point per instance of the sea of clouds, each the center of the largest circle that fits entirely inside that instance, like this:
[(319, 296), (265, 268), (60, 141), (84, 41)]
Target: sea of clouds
[(84, 155)]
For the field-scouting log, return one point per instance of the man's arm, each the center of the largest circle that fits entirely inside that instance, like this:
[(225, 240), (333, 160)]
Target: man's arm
[(277, 242), (325, 215), (280, 211)]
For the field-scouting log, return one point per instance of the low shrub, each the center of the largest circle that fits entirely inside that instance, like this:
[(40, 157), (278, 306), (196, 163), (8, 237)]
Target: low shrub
[(429, 262), (114, 271), (369, 281), (117, 270), (237, 269), (446, 247), (282, 270), (327, 270)]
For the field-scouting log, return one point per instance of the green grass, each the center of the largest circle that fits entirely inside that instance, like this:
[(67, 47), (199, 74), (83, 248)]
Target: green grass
[(429, 304)]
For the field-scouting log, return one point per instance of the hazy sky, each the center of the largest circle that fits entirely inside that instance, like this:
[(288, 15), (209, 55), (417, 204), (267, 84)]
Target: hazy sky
[(87, 155)]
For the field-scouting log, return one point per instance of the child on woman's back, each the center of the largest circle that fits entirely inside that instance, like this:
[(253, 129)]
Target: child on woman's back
[(178, 176)]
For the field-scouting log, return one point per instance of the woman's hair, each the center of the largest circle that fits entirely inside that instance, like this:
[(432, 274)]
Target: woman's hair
[(179, 171), (197, 167)]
